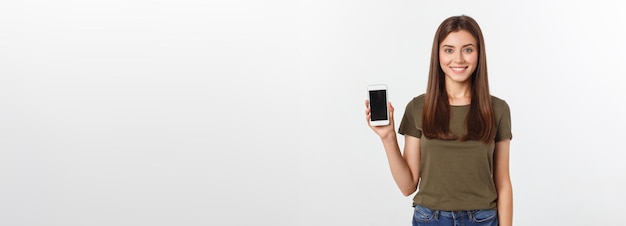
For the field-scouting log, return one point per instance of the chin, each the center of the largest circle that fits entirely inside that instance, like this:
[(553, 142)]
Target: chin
[(460, 78)]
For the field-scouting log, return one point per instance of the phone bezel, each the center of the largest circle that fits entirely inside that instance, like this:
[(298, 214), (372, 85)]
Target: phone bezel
[(375, 87)]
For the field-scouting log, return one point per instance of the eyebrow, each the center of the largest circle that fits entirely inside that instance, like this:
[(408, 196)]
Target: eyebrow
[(466, 45)]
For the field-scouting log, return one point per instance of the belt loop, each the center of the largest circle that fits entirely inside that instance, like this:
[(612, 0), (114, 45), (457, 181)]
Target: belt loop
[(436, 215)]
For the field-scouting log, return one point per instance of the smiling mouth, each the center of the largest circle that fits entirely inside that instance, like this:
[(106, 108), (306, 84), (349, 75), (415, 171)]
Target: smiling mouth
[(458, 69)]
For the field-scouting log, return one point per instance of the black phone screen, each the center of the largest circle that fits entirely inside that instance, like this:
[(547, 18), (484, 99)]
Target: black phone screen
[(378, 104)]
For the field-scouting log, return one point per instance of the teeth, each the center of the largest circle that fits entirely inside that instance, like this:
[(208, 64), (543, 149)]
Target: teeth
[(458, 68)]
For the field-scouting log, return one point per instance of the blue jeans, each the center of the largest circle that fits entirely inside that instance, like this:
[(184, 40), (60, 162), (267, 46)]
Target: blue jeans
[(427, 217)]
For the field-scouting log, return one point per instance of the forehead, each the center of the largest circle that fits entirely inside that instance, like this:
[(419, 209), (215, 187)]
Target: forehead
[(459, 38)]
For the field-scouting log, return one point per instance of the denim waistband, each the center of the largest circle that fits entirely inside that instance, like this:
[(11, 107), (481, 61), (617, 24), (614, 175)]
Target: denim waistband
[(461, 213)]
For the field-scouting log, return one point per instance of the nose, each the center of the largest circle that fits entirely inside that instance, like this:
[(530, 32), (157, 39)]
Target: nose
[(458, 57)]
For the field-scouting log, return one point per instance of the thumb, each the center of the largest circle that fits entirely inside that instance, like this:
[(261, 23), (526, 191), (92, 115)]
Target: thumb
[(391, 110)]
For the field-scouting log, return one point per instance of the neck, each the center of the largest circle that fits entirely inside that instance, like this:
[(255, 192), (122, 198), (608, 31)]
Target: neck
[(459, 93), (458, 89)]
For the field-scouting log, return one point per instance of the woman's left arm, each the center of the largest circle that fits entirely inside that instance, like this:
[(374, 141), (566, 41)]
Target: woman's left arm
[(502, 180)]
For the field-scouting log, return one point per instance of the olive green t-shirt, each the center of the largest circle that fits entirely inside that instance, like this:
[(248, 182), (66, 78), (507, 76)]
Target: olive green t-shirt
[(456, 175)]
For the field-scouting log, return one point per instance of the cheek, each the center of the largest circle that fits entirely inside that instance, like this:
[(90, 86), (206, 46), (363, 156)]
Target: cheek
[(473, 58), (443, 60)]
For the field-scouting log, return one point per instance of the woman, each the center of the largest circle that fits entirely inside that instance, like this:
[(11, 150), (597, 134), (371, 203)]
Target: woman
[(457, 137)]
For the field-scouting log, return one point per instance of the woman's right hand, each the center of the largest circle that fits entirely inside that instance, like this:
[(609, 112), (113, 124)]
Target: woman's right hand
[(382, 131)]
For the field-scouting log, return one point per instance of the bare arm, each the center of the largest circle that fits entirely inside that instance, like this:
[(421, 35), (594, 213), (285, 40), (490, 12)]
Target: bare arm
[(404, 168), (502, 180)]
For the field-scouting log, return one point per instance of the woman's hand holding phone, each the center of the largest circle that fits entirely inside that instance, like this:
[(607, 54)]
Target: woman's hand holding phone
[(384, 130)]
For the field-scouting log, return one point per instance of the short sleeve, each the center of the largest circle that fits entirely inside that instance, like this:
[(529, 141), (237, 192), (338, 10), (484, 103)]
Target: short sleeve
[(411, 120), (503, 121)]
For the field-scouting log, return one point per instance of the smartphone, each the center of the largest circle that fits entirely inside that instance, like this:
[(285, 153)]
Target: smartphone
[(379, 114)]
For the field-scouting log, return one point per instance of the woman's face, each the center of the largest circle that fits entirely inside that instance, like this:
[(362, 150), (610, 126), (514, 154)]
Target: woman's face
[(458, 56)]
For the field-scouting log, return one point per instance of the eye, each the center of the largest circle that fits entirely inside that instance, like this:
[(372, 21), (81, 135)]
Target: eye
[(468, 50), (447, 50)]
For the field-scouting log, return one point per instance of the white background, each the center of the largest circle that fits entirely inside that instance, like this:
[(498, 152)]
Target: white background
[(251, 113)]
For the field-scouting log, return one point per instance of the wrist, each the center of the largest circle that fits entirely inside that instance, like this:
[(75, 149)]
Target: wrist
[(391, 136)]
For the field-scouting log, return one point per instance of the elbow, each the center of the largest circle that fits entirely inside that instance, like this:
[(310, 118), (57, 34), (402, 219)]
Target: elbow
[(408, 191), (504, 188)]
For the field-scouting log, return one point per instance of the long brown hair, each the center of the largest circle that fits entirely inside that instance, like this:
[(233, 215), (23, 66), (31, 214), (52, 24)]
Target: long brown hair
[(480, 120)]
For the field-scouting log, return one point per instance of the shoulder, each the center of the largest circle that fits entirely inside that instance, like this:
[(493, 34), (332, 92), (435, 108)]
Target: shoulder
[(498, 103), (500, 106), (416, 104), (418, 101)]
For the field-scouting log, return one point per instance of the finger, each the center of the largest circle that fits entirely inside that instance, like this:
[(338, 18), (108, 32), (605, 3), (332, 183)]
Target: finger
[(391, 110)]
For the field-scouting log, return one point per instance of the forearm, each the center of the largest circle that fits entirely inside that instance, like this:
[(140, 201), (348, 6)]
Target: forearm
[(502, 180), (398, 165), (505, 205)]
